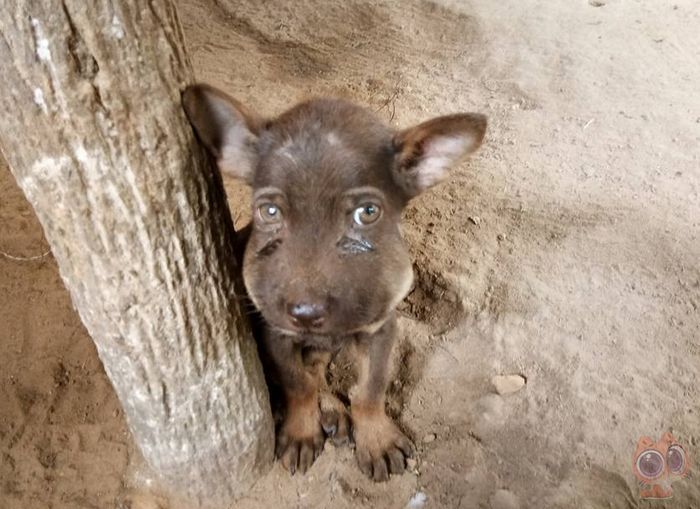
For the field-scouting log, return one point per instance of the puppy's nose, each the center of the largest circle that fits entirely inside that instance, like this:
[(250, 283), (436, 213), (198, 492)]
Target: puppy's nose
[(307, 314)]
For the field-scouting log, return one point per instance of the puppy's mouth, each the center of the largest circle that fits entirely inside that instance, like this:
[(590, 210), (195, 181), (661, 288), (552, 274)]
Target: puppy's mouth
[(286, 332), (300, 330)]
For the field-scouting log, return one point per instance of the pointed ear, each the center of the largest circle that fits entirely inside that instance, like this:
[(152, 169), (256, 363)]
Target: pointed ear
[(226, 127), (426, 152)]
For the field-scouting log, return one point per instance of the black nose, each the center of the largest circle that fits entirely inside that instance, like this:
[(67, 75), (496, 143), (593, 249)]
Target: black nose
[(305, 314)]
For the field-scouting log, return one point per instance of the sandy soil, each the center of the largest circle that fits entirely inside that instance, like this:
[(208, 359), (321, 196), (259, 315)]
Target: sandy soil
[(566, 251)]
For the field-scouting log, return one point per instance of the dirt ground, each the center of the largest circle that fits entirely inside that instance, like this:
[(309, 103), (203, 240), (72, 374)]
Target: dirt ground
[(566, 251)]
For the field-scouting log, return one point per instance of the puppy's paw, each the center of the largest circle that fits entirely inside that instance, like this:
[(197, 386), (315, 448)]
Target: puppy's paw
[(335, 419), (300, 438), (380, 446)]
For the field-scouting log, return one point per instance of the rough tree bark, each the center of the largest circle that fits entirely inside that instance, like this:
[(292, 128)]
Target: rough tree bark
[(94, 133)]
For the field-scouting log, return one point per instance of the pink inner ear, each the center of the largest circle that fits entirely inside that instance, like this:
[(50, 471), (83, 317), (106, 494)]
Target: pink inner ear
[(439, 154), (429, 150)]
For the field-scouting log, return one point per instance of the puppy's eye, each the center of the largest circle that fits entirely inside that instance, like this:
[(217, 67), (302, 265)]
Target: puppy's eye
[(269, 213), (367, 214)]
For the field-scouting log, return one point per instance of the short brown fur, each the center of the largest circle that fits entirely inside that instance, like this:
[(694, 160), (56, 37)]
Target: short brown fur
[(323, 260)]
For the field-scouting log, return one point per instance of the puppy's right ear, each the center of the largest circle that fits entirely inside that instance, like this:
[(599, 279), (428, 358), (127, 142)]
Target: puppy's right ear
[(226, 127)]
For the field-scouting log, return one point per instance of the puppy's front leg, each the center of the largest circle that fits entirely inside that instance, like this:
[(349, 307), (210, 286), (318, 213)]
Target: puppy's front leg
[(381, 448), (335, 419), (300, 437)]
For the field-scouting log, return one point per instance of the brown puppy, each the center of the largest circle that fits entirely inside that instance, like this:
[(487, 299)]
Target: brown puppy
[(324, 262)]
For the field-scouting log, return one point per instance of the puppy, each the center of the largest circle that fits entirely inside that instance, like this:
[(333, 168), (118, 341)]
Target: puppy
[(324, 262)]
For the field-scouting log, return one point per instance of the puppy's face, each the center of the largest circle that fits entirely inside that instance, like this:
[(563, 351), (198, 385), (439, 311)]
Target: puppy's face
[(329, 182)]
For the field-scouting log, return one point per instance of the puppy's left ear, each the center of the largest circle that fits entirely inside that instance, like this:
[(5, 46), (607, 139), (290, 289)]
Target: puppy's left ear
[(426, 152), (227, 128)]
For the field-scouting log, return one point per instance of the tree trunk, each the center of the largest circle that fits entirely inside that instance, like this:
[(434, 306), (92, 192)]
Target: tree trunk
[(93, 130)]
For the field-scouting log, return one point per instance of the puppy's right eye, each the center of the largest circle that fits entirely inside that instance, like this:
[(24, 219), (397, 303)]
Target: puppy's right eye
[(269, 213)]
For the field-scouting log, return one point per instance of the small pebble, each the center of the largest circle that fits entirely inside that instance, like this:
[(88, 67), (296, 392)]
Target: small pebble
[(475, 220), (430, 437), (417, 501), (507, 384)]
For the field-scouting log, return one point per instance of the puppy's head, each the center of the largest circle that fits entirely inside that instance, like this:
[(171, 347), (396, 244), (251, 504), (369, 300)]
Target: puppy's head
[(329, 182)]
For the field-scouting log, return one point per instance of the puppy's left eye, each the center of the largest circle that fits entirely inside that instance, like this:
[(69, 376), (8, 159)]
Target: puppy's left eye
[(367, 214), (270, 213)]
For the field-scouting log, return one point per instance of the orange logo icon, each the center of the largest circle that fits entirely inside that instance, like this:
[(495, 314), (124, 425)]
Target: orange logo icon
[(657, 464)]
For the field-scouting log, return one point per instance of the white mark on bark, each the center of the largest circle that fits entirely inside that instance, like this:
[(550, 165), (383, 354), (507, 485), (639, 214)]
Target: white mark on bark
[(140, 203), (93, 167), (39, 100), (42, 50), (81, 154), (46, 168), (42, 43), (113, 193), (43, 53), (116, 29), (105, 123)]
